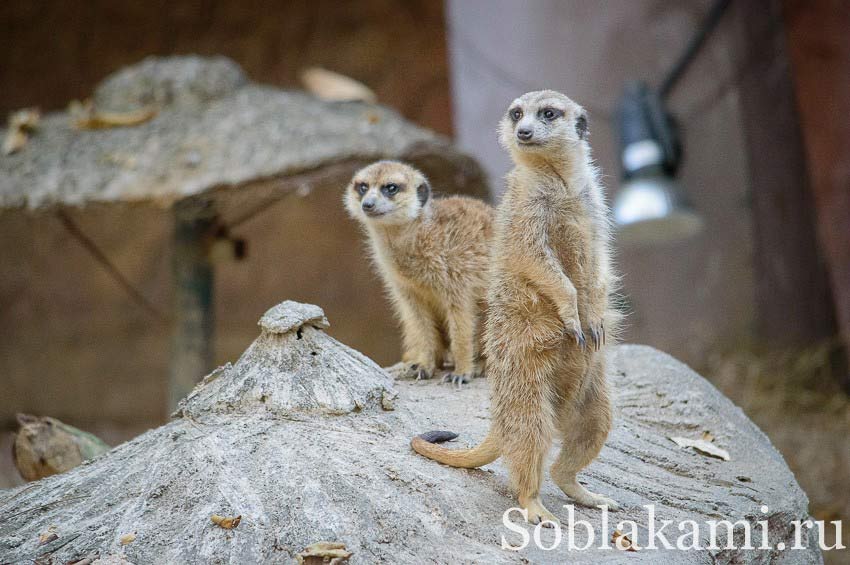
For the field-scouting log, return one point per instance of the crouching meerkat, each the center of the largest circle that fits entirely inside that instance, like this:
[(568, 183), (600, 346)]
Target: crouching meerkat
[(549, 316), (433, 256)]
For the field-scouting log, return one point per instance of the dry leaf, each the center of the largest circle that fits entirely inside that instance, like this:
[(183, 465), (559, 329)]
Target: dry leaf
[(85, 116), (47, 537), (226, 522), (26, 119), (15, 141), (335, 87), (21, 124), (330, 552), (622, 542), (127, 538), (703, 447)]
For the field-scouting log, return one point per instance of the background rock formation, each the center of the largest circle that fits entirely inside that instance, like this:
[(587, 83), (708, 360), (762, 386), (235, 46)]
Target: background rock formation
[(271, 164)]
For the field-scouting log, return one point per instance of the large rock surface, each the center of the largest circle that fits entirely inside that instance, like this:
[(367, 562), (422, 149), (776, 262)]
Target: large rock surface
[(299, 438)]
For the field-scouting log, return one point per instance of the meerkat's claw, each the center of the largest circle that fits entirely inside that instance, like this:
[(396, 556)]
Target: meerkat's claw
[(577, 334), (595, 338), (580, 340), (456, 379), (597, 334)]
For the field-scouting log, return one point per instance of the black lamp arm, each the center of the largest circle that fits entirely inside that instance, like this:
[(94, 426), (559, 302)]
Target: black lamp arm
[(712, 18)]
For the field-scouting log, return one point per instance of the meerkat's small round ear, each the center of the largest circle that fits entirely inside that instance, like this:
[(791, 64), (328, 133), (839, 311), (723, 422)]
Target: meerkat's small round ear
[(423, 192), (581, 125)]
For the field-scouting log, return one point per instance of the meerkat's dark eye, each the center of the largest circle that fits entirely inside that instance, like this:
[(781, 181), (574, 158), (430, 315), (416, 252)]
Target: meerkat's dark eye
[(549, 114), (516, 114), (390, 189), (361, 188)]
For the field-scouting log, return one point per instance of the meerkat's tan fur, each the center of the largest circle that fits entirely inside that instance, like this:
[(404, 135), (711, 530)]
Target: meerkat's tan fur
[(433, 255), (551, 278)]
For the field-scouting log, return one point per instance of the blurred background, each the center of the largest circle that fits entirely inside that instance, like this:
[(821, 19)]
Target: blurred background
[(757, 300)]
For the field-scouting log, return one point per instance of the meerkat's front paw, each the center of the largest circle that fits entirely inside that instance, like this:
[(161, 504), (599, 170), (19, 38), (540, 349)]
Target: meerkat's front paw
[(421, 372), (572, 328), (457, 379)]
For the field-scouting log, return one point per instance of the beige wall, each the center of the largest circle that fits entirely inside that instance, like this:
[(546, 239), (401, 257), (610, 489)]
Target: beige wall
[(55, 50), (76, 347)]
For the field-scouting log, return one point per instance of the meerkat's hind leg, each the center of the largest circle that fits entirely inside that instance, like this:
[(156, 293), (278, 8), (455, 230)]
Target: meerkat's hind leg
[(584, 427), (525, 427)]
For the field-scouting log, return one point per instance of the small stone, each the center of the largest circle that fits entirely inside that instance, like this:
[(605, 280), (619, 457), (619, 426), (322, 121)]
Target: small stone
[(388, 399)]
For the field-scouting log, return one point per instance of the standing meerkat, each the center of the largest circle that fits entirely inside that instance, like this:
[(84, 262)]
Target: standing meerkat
[(551, 277), (433, 256)]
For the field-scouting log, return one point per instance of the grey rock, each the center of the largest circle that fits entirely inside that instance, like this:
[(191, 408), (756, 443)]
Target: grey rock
[(169, 81), (289, 315), (295, 438)]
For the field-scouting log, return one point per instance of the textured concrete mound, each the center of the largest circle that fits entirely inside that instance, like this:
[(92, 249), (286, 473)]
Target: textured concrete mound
[(307, 440), (213, 130)]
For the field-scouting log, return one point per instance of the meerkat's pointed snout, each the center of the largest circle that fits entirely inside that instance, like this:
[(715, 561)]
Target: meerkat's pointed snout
[(524, 134), (368, 205)]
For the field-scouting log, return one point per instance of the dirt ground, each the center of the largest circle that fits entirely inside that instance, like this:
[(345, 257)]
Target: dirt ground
[(795, 399)]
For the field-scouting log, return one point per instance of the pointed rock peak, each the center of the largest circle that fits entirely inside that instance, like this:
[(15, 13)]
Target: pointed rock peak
[(290, 315), (292, 368)]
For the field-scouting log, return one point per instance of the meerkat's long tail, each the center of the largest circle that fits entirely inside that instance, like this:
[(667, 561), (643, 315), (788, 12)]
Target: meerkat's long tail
[(426, 444)]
